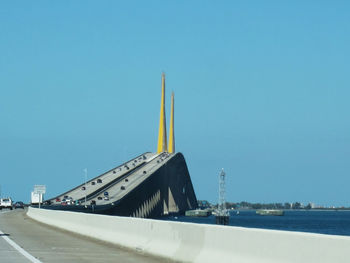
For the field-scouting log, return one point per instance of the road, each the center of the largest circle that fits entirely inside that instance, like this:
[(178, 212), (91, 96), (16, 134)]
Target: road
[(93, 185), (134, 179), (47, 244)]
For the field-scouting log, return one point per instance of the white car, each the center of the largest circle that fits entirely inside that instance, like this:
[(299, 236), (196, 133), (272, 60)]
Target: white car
[(67, 201), (6, 203)]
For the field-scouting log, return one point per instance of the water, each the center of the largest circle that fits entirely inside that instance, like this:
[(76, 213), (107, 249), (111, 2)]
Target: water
[(323, 222)]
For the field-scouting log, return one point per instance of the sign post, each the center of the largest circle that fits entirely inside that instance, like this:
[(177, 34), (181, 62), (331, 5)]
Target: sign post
[(40, 189)]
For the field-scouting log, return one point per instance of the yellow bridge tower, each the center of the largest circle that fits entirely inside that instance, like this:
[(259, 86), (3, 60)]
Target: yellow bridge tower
[(162, 138), (171, 132)]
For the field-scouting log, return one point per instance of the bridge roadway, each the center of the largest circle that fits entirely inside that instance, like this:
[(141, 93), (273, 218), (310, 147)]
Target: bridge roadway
[(93, 185), (118, 182), (48, 244), (130, 181)]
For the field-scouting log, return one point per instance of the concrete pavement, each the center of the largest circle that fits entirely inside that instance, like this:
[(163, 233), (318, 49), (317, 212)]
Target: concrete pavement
[(49, 244), (9, 254)]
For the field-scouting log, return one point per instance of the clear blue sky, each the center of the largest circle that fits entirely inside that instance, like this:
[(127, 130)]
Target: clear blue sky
[(261, 89)]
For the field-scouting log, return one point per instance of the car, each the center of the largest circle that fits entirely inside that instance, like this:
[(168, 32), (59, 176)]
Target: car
[(122, 187), (18, 204), (83, 188), (105, 193), (106, 198), (67, 201), (99, 198), (93, 183), (126, 179), (99, 181), (6, 203)]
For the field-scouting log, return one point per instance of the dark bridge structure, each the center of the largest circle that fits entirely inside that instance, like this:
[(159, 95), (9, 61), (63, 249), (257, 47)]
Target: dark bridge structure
[(150, 185)]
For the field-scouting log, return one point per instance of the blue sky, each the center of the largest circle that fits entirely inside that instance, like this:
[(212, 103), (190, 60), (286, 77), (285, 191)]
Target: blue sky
[(261, 89)]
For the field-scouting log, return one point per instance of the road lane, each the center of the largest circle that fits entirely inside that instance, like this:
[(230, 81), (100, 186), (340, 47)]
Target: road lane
[(57, 246), (9, 254)]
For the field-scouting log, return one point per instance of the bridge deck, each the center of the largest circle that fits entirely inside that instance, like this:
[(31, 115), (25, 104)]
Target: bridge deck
[(92, 186), (51, 245), (131, 180)]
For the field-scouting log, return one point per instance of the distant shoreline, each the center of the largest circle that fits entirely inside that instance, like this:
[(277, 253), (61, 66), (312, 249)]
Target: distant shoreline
[(315, 209)]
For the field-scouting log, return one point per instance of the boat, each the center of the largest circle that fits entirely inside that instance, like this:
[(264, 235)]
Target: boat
[(198, 213), (270, 212)]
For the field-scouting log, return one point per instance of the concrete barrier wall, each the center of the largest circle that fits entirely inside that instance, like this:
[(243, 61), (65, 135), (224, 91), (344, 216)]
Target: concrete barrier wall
[(190, 242)]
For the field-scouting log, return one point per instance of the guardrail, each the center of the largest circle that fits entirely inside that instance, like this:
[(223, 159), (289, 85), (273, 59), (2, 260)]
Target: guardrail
[(189, 242)]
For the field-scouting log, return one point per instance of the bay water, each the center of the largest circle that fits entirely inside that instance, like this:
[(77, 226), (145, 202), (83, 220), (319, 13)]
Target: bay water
[(313, 221)]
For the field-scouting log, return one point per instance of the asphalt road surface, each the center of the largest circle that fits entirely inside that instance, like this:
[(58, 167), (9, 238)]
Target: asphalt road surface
[(24, 240)]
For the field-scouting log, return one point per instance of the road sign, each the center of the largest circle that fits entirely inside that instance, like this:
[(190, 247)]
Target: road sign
[(40, 189)]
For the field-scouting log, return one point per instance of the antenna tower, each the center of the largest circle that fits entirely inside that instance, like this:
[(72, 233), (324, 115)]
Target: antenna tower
[(222, 216), (222, 191)]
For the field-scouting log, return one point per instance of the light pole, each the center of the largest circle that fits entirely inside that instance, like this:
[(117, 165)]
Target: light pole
[(85, 172)]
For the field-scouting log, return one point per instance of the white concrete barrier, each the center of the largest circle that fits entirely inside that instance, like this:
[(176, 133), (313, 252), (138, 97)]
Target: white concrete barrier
[(189, 242)]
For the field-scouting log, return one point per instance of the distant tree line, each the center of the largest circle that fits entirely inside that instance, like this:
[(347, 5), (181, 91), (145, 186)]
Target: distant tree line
[(246, 205)]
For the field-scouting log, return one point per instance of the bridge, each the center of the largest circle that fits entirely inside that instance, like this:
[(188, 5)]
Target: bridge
[(150, 185)]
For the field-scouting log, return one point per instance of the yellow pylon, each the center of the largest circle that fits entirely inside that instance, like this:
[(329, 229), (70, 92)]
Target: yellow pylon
[(162, 138), (171, 132)]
